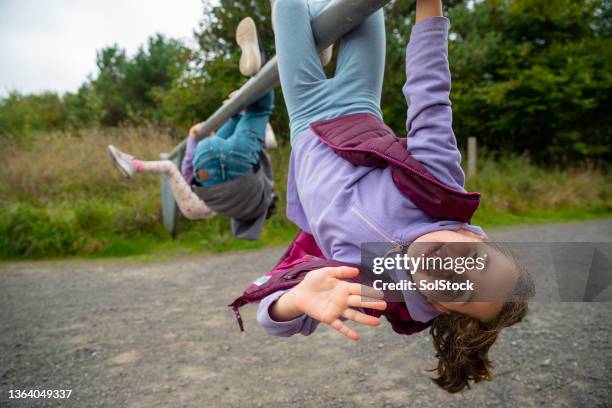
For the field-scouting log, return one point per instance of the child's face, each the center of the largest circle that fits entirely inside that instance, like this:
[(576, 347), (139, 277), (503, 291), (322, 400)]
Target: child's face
[(493, 278)]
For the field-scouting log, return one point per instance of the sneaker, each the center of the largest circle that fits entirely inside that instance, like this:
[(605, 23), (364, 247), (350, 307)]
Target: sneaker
[(270, 138), (246, 37), (123, 161)]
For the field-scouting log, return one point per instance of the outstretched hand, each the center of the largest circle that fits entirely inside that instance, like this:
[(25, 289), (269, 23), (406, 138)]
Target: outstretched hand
[(326, 297)]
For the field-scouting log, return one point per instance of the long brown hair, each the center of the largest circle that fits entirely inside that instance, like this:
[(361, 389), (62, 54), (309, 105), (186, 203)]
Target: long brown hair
[(462, 342)]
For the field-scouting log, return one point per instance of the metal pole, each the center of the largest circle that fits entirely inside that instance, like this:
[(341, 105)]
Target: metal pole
[(340, 17), (472, 155)]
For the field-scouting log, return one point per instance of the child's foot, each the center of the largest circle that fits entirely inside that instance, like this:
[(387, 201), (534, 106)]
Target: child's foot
[(270, 138), (123, 161), (246, 37)]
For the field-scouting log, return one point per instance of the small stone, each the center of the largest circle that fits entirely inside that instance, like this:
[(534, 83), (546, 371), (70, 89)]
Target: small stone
[(545, 363), (380, 345)]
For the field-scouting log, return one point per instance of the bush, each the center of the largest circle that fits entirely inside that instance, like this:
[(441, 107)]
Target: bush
[(32, 232)]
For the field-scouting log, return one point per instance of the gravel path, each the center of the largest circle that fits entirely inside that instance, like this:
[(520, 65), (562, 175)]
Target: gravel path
[(158, 334)]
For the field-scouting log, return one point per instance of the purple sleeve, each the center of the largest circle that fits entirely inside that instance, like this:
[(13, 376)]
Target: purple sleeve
[(187, 163), (427, 90), (304, 324)]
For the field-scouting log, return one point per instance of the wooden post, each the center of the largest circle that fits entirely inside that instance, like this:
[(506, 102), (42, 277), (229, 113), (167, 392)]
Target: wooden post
[(471, 154)]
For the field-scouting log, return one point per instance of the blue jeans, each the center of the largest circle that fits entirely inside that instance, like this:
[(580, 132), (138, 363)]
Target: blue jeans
[(309, 95), (234, 150)]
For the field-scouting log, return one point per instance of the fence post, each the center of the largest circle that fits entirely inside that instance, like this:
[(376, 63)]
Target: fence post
[(471, 154), (169, 210)]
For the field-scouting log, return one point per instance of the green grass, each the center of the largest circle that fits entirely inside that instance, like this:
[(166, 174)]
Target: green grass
[(60, 197)]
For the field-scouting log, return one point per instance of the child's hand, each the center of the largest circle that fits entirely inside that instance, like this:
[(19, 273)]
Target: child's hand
[(324, 296), (195, 129)]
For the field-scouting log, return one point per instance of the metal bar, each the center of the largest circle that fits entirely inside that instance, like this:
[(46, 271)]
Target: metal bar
[(340, 17)]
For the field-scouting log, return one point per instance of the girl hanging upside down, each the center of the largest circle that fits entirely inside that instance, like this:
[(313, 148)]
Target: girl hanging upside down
[(227, 172), (352, 181)]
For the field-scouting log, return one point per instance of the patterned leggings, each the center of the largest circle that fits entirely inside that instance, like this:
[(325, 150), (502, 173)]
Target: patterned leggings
[(191, 206)]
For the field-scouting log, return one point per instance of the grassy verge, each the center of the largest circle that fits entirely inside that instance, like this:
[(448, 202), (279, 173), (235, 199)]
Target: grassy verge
[(61, 197)]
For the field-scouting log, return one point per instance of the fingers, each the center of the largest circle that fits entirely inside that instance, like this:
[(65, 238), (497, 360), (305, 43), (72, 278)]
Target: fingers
[(366, 291), (343, 272), (345, 330), (361, 318), (363, 302)]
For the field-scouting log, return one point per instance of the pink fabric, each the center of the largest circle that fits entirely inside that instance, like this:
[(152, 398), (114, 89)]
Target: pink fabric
[(138, 165)]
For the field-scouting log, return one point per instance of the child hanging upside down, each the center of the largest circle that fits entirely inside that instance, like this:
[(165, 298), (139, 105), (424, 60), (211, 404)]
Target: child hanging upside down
[(352, 181), (227, 172)]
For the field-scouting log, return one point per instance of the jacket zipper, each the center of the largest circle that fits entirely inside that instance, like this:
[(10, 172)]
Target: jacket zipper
[(375, 228)]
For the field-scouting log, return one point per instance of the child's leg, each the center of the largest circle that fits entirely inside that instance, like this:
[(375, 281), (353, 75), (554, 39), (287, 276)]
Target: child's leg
[(309, 96), (191, 206), (249, 134), (301, 74), (225, 159), (357, 84), (229, 127)]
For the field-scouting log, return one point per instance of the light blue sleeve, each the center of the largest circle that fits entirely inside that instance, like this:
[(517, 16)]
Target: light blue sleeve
[(427, 90), (304, 324)]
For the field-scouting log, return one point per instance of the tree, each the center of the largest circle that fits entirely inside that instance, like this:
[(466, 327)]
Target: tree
[(108, 85), (534, 77)]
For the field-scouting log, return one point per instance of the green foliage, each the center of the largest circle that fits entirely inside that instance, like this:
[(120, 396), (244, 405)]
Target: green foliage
[(24, 114), (534, 77), (32, 232), (127, 89)]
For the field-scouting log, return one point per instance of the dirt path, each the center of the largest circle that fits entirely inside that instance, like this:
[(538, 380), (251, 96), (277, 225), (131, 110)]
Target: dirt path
[(158, 334)]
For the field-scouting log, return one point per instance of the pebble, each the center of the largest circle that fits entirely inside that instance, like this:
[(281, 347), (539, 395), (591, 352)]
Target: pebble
[(545, 363)]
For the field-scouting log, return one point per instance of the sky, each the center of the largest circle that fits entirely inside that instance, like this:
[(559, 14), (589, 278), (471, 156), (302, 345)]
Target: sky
[(51, 44)]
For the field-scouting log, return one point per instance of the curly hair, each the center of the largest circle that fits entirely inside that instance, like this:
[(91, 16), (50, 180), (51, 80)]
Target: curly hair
[(462, 342)]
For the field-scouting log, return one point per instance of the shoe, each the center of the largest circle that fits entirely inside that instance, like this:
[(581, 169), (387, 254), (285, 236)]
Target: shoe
[(270, 138), (246, 37), (123, 161)]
